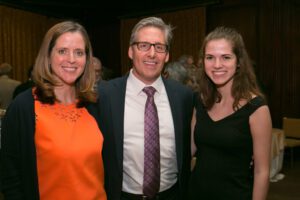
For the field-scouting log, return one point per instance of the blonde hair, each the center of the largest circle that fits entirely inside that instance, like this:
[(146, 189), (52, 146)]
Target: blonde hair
[(42, 73)]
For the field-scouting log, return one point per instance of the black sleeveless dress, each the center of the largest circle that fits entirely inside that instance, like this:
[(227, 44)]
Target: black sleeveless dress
[(223, 168)]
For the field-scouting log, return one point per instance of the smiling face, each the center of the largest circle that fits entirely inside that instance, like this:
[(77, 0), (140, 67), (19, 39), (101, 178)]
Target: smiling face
[(220, 62), (68, 58), (148, 65)]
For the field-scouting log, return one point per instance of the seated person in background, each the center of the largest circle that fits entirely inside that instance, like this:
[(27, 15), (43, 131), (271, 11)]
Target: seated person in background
[(193, 71), (24, 86), (186, 60), (102, 72), (98, 68), (7, 85), (176, 71)]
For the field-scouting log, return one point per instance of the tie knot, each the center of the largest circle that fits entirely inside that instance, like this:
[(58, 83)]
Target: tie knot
[(149, 91)]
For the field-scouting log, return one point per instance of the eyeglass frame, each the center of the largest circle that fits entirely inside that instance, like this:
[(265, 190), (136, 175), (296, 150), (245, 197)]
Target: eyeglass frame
[(150, 45)]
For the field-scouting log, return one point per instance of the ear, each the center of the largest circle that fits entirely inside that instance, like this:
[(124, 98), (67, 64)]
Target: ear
[(167, 57), (130, 52)]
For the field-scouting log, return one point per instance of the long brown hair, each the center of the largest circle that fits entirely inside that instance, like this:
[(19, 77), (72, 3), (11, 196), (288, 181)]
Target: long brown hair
[(244, 82), (42, 73)]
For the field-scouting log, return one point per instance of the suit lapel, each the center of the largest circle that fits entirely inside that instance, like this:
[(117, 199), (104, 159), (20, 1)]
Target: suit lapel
[(177, 119), (117, 109)]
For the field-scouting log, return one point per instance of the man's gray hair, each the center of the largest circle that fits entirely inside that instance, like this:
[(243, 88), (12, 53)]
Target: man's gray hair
[(155, 22)]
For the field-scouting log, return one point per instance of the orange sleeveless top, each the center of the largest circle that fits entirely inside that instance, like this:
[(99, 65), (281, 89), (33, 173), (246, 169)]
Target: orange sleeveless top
[(68, 148)]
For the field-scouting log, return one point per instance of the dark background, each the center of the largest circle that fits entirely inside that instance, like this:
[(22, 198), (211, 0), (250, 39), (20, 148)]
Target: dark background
[(271, 30)]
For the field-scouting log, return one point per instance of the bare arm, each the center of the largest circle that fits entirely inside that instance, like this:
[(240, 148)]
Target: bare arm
[(193, 123), (261, 130), (193, 146)]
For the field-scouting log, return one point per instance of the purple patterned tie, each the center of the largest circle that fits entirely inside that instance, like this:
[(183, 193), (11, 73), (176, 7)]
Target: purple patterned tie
[(151, 146)]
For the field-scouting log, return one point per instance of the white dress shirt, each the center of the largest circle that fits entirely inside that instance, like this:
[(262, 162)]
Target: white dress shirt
[(133, 149)]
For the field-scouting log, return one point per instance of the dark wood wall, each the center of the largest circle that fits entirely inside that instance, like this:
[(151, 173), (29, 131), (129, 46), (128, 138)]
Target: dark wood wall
[(105, 39), (189, 30), (21, 34), (271, 30)]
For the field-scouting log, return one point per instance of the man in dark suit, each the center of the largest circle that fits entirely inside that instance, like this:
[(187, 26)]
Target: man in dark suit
[(122, 106)]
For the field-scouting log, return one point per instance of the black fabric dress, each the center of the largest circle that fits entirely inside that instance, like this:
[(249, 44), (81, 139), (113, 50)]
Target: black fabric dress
[(223, 168)]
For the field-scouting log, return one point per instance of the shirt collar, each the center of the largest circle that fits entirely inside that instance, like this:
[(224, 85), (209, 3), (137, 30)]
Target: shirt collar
[(137, 85)]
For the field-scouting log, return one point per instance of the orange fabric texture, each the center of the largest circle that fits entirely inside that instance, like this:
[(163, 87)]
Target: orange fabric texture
[(69, 159)]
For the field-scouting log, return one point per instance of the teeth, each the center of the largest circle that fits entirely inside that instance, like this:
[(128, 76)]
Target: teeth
[(69, 69), (219, 73), (149, 63)]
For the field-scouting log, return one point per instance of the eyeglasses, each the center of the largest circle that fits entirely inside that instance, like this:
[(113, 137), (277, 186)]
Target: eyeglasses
[(145, 46)]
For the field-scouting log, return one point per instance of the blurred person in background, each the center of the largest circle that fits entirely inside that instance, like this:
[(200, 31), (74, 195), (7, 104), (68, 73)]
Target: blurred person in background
[(192, 70), (98, 68), (27, 84), (176, 71), (7, 85)]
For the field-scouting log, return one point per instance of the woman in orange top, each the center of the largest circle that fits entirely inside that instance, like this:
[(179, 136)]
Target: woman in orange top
[(51, 142)]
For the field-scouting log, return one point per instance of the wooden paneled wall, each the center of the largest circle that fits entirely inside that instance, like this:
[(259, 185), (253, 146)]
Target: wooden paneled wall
[(271, 31), (21, 33), (189, 30), (270, 28)]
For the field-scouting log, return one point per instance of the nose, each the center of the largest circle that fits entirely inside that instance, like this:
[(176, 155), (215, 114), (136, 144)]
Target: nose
[(218, 63), (152, 51), (71, 57)]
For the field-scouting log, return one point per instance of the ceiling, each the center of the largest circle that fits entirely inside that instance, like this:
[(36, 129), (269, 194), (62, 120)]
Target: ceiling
[(110, 9)]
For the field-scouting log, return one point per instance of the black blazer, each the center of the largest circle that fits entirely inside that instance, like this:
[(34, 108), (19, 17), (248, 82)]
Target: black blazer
[(18, 171), (111, 107)]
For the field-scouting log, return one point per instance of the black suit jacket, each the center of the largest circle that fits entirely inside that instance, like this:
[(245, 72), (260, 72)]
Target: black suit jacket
[(111, 105)]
